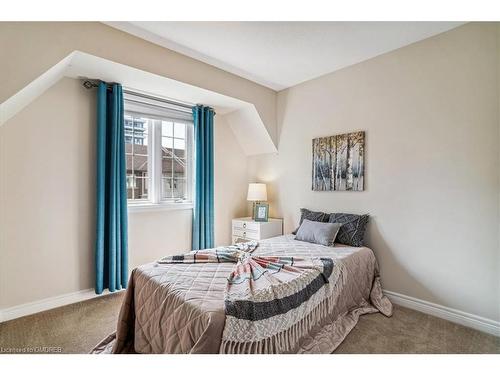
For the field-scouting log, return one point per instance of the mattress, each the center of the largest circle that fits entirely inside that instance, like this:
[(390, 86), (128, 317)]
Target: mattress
[(179, 308)]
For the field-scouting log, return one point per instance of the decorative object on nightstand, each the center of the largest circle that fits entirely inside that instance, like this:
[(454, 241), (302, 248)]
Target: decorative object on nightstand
[(247, 229), (261, 212), (257, 193)]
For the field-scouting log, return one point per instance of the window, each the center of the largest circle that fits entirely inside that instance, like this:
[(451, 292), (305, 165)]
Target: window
[(137, 156), (159, 153), (174, 160)]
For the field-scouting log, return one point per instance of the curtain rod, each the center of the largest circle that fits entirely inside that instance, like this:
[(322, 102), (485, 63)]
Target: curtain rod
[(167, 101), (92, 83)]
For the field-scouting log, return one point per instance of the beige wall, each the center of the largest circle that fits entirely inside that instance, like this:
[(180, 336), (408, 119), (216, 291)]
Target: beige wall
[(431, 115), (47, 183), (230, 181), (34, 47), (46, 201)]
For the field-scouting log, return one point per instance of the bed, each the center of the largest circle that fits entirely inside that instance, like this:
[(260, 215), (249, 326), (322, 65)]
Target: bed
[(179, 308)]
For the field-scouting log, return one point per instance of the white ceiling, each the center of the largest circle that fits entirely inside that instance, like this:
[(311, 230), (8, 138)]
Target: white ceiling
[(283, 54)]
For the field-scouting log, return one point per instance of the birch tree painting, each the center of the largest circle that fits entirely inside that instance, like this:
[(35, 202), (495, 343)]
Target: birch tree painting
[(338, 162)]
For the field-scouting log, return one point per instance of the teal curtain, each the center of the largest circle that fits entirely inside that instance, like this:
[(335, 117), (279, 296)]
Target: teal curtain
[(111, 238), (203, 212)]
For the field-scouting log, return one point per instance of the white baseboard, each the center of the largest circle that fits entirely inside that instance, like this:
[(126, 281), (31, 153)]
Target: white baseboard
[(469, 320), (456, 316), (47, 304)]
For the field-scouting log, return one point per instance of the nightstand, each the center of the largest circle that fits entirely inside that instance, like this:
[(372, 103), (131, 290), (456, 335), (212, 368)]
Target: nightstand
[(246, 229)]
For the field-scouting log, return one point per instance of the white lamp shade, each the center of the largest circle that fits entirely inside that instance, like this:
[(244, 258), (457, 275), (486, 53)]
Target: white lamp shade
[(257, 192)]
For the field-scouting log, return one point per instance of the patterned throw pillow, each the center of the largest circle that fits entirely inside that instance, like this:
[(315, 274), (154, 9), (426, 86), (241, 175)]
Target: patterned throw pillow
[(352, 230), (313, 216)]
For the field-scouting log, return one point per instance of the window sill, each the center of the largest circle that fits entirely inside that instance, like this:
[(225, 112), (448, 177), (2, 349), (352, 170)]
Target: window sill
[(144, 207)]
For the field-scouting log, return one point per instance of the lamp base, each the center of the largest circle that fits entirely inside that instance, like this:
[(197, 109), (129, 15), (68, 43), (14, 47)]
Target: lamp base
[(253, 209)]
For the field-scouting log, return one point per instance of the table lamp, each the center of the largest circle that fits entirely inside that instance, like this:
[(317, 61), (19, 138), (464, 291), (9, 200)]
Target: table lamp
[(257, 193)]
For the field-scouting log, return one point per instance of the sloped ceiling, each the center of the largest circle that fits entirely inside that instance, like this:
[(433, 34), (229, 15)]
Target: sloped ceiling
[(241, 116), (283, 54)]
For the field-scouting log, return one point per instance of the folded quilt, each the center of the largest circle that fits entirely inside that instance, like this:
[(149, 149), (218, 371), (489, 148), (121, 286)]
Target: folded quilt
[(226, 254), (270, 301)]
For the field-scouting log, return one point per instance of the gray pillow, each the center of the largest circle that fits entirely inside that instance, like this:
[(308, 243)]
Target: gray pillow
[(313, 216), (352, 230), (316, 232)]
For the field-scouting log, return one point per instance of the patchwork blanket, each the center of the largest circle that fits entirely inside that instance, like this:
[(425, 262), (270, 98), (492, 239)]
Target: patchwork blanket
[(270, 301)]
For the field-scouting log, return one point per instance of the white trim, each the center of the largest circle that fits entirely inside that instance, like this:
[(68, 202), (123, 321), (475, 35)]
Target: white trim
[(456, 316), (48, 303), (143, 207), (190, 160), (155, 162)]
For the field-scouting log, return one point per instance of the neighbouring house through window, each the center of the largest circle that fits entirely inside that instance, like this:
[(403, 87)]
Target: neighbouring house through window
[(159, 152)]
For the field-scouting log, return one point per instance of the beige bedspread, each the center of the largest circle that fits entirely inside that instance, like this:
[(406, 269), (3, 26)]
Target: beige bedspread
[(179, 308)]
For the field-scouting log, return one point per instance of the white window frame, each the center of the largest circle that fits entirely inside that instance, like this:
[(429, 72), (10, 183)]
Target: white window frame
[(155, 201)]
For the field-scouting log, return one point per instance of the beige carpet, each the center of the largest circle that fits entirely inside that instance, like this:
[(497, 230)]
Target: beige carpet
[(77, 328)]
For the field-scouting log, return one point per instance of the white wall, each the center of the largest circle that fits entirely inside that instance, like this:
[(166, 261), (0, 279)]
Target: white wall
[(431, 115), (47, 199)]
